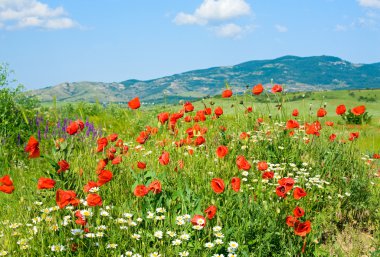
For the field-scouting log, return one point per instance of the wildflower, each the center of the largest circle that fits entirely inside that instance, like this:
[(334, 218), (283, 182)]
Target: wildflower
[(217, 228), (209, 245), (140, 191), (232, 255), (57, 248), (164, 158), (235, 184), (155, 254), (184, 236), (321, 112), (242, 163), (111, 246), (94, 200), (298, 212), (45, 183), (183, 254), (3, 253), (258, 89), (217, 184), (136, 236), (64, 198), (221, 151), (358, 110), (171, 233), (63, 166), (298, 193), (6, 185), (218, 241), (134, 103), (155, 187), (227, 93), (33, 148), (276, 89), (210, 212), (233, 245), (176, 242), (159, 234), (302, 228)]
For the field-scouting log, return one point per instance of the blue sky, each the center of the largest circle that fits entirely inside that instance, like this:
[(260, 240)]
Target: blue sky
[(47, 42)]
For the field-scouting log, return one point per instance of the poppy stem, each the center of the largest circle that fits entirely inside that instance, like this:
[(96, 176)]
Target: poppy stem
[(304, 245)]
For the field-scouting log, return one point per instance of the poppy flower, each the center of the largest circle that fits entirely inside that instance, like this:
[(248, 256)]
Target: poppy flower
[(302, 228), (104, 176), (189, 107), (113, 137), (358, 110), (198, 220), (298, 212), (258, 89), (290, 221), (244, 135), (276, 89), (292, 124), (376, 156), (235, 184), (164, 158), (332, 137), (64, 198), (117, 160), (101, 164), (218, 111), (321, 112), (353, 136), (199, 141), (72, 128), (298, 193), (227, 93), (45, 183), (6, 185), (262, 166), (268, 175), (134, 103), (295, 113), (33, 148), (140, 191), (242, 163), (144, 135), (80, 124), (281, 191), (221, 151), (341, 109), (211, 211), (94, 200), (249, 109), (102, 143), (81, 219), (63, 166), (89, 186), (141, 165), (217, 184), (155, 187), (163, 117), (329, 123), (288, 183)]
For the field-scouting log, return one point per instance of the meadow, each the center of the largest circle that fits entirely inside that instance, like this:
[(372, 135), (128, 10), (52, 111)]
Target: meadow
[(266, 173)]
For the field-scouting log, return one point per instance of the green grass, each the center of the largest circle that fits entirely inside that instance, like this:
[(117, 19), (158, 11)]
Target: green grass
[(340, 179)]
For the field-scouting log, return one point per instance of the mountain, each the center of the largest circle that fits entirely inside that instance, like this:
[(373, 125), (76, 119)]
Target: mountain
[(297, 73)]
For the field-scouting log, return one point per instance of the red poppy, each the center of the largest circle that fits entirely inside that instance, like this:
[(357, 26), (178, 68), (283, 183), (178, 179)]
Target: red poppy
[(45, 183), (260, 120), (358, 110), (198, 220), (329, 123), (332, 137), (144, 135), (221, 151), (262, 166), (218, 111), (155, 187), (281, 191), (199, 141), (188, 107), (64, 198), (89, 185), (211, 211), (134, 103), (298, 193), (6, 185), (102, 143), (101, 164), (353, 136), (140, 191), (33, 148), (341, 109), (258, 89), (117, 160), (244, 135), (302, 228), (164, 158), (321, 112), (242, 163), (163, 117), (292, 124), (141, 165), (217, 184), (113, 137), (235, 184), (268, 175), (249, 109), (313, 129), (295, 113), (63, 166), (276, 89), (288, 183), (72, 128), (227, 93), (81, 219), (104, 176), (376, 156), (298, 212), (290, 221), (94, 200)]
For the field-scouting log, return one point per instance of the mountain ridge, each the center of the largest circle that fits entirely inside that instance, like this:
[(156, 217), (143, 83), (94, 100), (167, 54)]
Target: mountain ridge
[(298, 73)]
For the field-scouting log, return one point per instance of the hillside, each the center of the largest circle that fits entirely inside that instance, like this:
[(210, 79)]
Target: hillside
[(298, 73)]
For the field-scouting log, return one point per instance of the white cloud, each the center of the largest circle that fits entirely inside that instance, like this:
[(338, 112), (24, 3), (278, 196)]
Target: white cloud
[(229, 30), (340, 27), (16, 14), (214, 10), (370, 3), (281, 28)]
